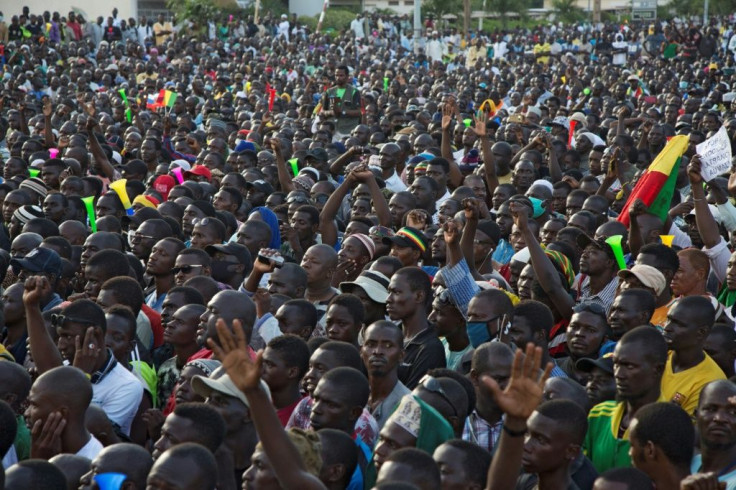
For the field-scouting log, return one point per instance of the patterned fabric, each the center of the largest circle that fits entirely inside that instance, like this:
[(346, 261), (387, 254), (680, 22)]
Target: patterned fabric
[(366, 427), (480, 432)]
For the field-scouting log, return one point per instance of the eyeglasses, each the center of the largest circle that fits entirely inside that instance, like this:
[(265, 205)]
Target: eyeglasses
[(136, 237), (201, 221), (380, 232), (297, 199), (58, 320), (321, 198), (432, 384), (591, 307), (186, 269)]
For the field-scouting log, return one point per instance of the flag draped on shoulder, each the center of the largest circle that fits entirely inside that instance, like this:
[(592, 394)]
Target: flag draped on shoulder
[(657, 185)]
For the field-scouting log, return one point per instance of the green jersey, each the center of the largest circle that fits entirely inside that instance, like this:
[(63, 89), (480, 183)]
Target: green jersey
[(602, 444)]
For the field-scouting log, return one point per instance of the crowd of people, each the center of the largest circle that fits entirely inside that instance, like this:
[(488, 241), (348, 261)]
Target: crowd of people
[(238, 253)]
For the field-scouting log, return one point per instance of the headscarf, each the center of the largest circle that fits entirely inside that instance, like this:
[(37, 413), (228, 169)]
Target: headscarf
[(726, 297), (269, 217), (563, 264)]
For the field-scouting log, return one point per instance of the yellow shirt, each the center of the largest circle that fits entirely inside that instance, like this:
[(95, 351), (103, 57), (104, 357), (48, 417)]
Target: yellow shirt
[(683, 388), (541, 49)]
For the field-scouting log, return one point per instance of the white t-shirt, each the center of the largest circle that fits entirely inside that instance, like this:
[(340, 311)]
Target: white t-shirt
[(91, 449), (119, 394)]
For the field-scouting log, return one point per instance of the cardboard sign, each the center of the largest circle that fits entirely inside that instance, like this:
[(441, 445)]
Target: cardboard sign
[(715, 155)]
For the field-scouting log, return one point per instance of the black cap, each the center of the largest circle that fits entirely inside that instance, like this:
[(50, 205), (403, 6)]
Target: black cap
[(604, 363)]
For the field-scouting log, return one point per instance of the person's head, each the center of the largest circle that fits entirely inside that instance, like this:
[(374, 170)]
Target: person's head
[(73, 322), (121, 291), (63, 389), (34, 473), (489, 313), (297, 317), (103, 265), (181, 329), (163, 257), (411, 465), (532, 323), (597, 259), (229, 305), (191, 422), (328, 356), (689, 321), (559, 388), (556, 432), (716, 422), (462, 465), (692, 274), (261, 474), (447, 396), (15, 384), (320, 263), (630, 308), (344, 318), (339, 457), (383, 348), (120, 335), (254, 234), (587, 330), (492, 359), (126, 458), (289, 280), (662, 439), (623, 479), (339, 398), (191, 262), (720, 345), (285, 362), (187, 466), (662, 258), (638, 363), (409, 293)]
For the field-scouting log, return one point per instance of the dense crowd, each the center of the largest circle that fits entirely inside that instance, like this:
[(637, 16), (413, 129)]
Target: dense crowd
[(239, 253)]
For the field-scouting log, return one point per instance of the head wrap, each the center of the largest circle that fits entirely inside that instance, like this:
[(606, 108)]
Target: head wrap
[(269, 217), (147, 201), (367, 243), (303, 183), (563, 264), (26, 213), (207, 366), (36, 185)]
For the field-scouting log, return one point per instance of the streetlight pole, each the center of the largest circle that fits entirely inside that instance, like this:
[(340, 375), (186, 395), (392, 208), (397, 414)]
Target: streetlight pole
[(417, 24), (705, 14)]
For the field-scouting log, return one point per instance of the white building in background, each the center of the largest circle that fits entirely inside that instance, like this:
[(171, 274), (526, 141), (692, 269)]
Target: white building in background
[(311, 8)]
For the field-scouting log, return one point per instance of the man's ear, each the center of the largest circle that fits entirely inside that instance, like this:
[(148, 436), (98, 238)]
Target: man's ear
[(572, 451), (356, 412)]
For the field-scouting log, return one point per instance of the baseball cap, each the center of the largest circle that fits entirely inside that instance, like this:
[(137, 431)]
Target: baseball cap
[(318, 154), (260, 185), (373, 283), (408, 237), (134, 167), (585, 240), (604, 363), (633, 76), (224, 385), (237, 250), (181, 163), (561, 121), (38, 260), (199, 170), (140, 216), (647, 275)]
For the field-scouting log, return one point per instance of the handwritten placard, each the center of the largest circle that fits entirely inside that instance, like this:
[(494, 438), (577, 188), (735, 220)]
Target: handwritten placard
[(715, 155)]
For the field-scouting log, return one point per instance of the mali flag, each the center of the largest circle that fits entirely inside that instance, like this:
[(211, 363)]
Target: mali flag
[(169, 98), (656, 187)]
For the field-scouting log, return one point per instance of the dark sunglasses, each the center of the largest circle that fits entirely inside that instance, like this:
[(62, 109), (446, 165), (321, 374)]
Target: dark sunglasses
[(297, 199), (432, 384), (186, 269)]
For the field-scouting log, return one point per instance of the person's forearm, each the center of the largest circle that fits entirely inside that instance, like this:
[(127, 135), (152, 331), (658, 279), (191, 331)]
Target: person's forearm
[(547, 275), (287, 185), (635, 238), (467, 245), (251, 282), (327, 216), (47, 133), (44, 352), (380, 205), (506, 464), (338, 166), (101, 160), (555, 172), (489, 166), (707, 225), (445, 146)]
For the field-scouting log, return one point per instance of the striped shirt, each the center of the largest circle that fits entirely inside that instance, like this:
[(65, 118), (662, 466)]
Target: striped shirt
[(604, 297)]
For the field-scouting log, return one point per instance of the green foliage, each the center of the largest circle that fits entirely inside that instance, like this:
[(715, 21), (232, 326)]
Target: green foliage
[(695, 7), (439, 8), (505, 7), (336, 19), (567, 11)]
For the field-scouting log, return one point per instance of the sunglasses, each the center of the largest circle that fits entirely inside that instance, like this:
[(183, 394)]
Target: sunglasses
[(297, 199), (591, 307), (380, 232), (186, 269), (432, 384), (136, 237), (201, 221), (58, 320)]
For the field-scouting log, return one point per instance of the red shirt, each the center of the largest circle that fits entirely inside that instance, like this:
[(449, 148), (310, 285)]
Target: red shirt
[(155, 318), (285, 413)]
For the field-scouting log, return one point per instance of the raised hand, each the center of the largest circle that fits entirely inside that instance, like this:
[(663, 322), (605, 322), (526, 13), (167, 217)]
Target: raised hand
[(417, 218), (637, 208), (471, 207), (702, 481), (451, 232), (448, 112), (479, 124), (47, 108), (520, 214), (36, 288), (524, 391), (362, 174), (87, 351), (233, 352), (693, 170)]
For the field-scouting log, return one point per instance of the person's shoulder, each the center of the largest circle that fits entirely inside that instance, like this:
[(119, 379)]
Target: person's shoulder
[(603, 409)]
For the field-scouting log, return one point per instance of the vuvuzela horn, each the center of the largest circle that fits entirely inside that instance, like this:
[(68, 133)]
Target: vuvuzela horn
[(618, 251), (119, 187), (89, 204)]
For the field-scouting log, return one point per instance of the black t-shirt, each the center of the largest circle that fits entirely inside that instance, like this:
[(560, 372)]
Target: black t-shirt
[(14, 33)]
